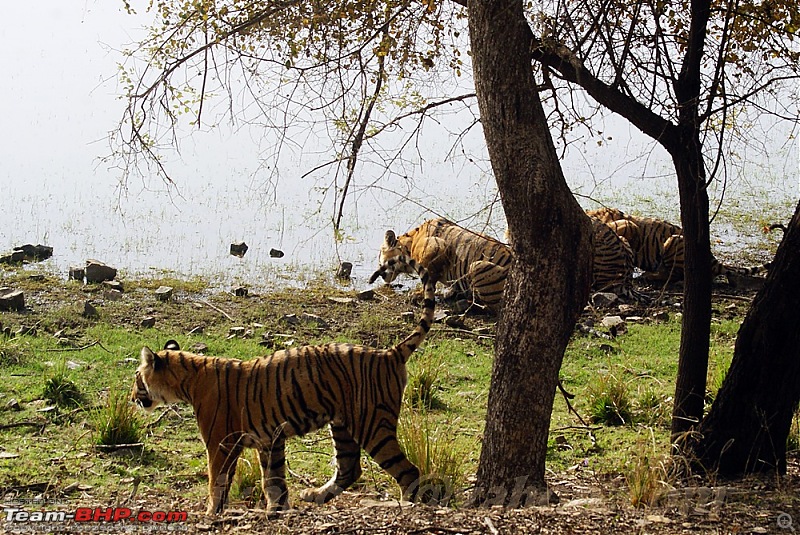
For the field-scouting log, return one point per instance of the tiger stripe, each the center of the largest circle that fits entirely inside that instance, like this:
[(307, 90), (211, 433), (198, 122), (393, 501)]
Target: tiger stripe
[(259, 403)]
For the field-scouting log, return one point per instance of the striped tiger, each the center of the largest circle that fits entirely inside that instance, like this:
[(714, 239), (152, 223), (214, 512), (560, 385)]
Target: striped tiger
[(470, 263), (259, 403), (658, 246), (612, 262)]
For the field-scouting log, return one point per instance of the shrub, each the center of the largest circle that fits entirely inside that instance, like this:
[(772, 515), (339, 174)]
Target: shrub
[(60, 390), (647, 476), (439, 461), (424, 381), (246, 484), (609, 401), (117, 422)]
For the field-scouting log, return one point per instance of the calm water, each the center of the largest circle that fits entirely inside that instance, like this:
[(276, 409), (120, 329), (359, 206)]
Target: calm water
[(54, 189)]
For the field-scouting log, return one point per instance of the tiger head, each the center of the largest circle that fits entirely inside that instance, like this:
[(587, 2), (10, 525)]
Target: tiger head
[(153, 385), (393, 247)]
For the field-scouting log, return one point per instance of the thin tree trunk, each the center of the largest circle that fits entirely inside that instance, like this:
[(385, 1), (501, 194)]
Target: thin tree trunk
[(687, 155), (549, 279), (749, 422)]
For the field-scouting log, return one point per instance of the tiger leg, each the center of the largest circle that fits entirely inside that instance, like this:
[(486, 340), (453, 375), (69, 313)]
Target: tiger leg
[(272, 458), (221, 468), (348, 467), (385, 450)]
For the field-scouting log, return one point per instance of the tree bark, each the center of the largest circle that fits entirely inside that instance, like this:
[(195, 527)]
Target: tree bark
[(687, 155), (549, 279), (749, 421)]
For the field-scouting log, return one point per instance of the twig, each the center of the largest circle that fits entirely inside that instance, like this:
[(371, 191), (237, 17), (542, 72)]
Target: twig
[(112, 447), (490, 525), (87, 346), (463, 331), (22, 424), (213, 307)]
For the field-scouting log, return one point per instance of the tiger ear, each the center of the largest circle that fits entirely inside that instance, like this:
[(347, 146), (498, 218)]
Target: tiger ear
[(390, 239), (148, 357)]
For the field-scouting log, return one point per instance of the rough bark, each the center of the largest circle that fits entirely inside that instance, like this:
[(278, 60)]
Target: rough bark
[(748, 424), (549, 279)]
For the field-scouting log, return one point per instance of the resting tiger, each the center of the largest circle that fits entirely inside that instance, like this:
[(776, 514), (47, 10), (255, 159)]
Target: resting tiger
[(470, 263), (658, 246), (261, 402)]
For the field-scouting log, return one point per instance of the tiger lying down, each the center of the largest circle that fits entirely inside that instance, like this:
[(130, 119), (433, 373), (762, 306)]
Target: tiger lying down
[(259, 403)]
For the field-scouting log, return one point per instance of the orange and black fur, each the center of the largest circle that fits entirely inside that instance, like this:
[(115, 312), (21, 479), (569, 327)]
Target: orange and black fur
[(259, 403)]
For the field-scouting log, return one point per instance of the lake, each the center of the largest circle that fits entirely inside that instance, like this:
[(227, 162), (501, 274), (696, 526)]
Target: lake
[(60, 100)]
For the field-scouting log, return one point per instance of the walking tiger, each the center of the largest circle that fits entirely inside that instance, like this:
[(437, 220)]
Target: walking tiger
[(260, 403)]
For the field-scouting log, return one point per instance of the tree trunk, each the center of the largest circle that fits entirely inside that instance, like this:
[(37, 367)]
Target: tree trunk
[(549, 279), (687, 154), (748, 424)]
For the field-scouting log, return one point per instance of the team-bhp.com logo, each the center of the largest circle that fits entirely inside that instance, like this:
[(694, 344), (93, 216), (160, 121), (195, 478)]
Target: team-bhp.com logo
[(94, 514)]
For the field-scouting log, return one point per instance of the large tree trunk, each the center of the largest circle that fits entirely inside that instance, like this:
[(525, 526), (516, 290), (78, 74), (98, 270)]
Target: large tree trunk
[(748, 424), (687, 154), (549, 280)]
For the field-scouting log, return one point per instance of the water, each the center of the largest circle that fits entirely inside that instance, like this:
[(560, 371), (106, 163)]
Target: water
[(59, 101)]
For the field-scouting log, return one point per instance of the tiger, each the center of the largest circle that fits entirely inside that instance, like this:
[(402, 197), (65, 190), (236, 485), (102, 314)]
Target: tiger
[(469, 263), (659, 249), (260, 403), (612, 262)]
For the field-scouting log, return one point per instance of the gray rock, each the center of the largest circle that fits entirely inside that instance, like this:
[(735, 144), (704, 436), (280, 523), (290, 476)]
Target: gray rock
[(77, 273), (112, 295), (89, 310), (148, 322), (314, 320), (11, 299), (164, 293), (35, 253), (366, 295), (97, 271), (113, 285), (276, 253), (241, 291), (239, 249), (603, 299), (345, 269)]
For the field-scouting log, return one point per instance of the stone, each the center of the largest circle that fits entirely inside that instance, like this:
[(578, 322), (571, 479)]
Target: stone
[(276, 253), (112, 295), (35, 253), (148, 322), (409, 317), (199, 348), (97, 271), (76, 273), (345, 269), (15, 257), (113, 285), (661, 315), (241, 291), (366, 295), (314, 319), (89, 310), (164, 293), (11, 299), (603, 299), (13, 405), (239, 249)]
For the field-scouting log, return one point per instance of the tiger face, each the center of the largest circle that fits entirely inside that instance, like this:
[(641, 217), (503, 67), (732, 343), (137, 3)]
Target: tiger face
[(391, 248), (152, 386)]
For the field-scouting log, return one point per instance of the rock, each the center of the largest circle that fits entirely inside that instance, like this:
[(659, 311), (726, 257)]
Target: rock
[(241, 291), (661, 315), (314, 319), (148, 322), (603, 299), (35, 253), (343, 300), (276, 253), (291, 319), (163, 293), (239, 249), (97, 271), (113, 285), (15, 257), (197, 330), (11, 299), (77, 273), (237, 331), (89, 310), (199, 348), (345, 269), (409, 317), (112, 295), (13, 405), (455, 321), (615, 325), (366, 295)]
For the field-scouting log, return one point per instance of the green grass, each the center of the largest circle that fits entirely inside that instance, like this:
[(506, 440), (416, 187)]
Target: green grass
[(450, 375)]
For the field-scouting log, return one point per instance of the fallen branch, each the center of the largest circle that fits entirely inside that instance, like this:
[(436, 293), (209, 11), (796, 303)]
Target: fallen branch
[(87, 346), (22, 424), (112, 447), (214, 307)]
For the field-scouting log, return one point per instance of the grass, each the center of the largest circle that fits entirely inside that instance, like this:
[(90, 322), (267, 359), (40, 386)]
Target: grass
[(441, 427)]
